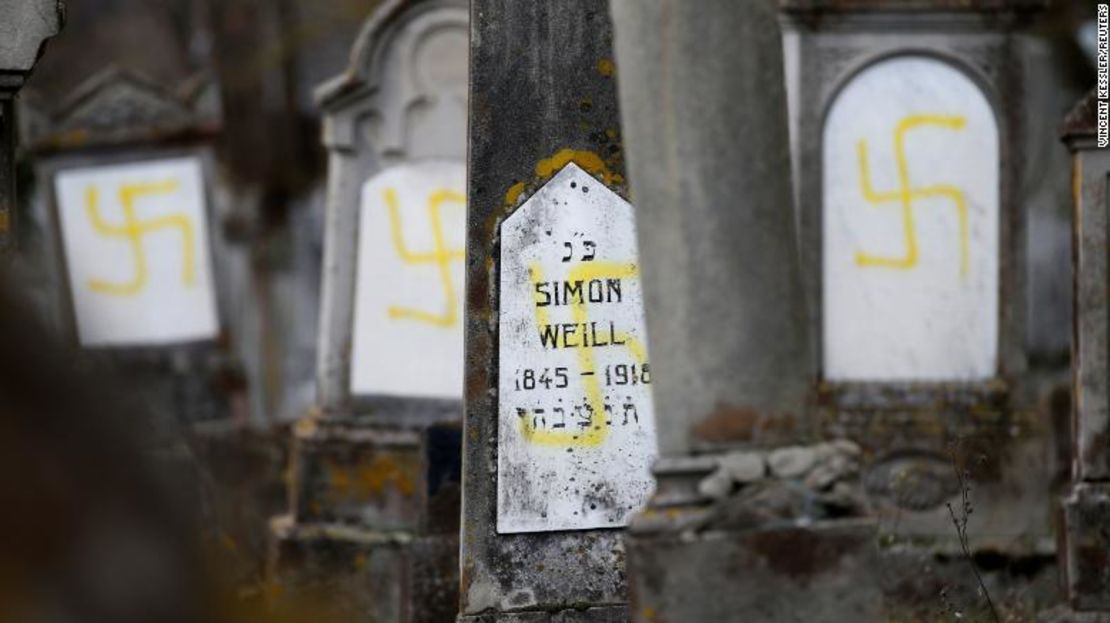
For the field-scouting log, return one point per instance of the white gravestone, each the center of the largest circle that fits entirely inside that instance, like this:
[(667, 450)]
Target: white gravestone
[(576, 435), (910, 227), (408, 327), (136, 245)]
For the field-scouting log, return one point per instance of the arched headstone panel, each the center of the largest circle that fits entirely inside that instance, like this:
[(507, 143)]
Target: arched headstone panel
[(910, 220), (396, 127), (390, 356)]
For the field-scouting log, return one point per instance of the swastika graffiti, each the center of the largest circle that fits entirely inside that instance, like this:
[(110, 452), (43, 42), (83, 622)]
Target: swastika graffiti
[(440, 256), (596, 409), (134, 229), (906, 194)]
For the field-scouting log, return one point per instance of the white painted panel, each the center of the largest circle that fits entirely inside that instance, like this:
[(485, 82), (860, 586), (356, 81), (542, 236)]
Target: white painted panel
[(910, 227), (136, 246), (408, 326), (576, 434)]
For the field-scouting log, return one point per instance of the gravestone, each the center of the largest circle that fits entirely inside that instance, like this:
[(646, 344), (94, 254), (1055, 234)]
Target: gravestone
[(375, 473), (123, 254), (909, 144), (24, 28), (1083, 531), (559, 431), (750, 520), (126, 246)]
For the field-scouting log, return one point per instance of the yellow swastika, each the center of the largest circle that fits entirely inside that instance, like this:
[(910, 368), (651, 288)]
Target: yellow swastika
[(906, 194), (598, 429), (441, 256), (134, 229)]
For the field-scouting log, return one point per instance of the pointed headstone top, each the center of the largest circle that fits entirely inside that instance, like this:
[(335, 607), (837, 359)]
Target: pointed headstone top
[(117, 107), (1081, 122)]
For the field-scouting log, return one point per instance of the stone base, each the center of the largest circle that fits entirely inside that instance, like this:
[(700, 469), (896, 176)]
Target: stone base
[(1064, 614), (602, 614), (350, 575), (1085, 546), (824, 572)]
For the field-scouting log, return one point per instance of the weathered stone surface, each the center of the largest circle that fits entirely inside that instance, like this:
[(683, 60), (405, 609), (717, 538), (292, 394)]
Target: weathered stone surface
[(613, 614), (1085, 531), (791, 462), (1064, 614), (341, 573), (376, 473), (542, 95), (840, 6), (117, 107), (722, 288), (828, 573), (846, 447), (367, 477), (744, 467), (242, 476), (830, 469), (1086, 546), (716, 485), (25, 25), (921, 584), (844, 500)]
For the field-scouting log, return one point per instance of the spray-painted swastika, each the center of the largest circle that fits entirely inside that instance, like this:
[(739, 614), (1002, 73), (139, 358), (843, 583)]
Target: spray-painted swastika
[(906, 194), (134, 229), (594, 410), (407, 335), (911, 226), (135, 242), (441, 256)]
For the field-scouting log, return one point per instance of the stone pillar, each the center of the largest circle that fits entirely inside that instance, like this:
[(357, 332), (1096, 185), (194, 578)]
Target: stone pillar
[(375, 473), (25, 25), (559, 431), (710, 266), (722, 540), (1085, 526)]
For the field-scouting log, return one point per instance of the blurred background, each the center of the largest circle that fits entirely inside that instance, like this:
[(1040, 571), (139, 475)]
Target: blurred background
[(141, 487)]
